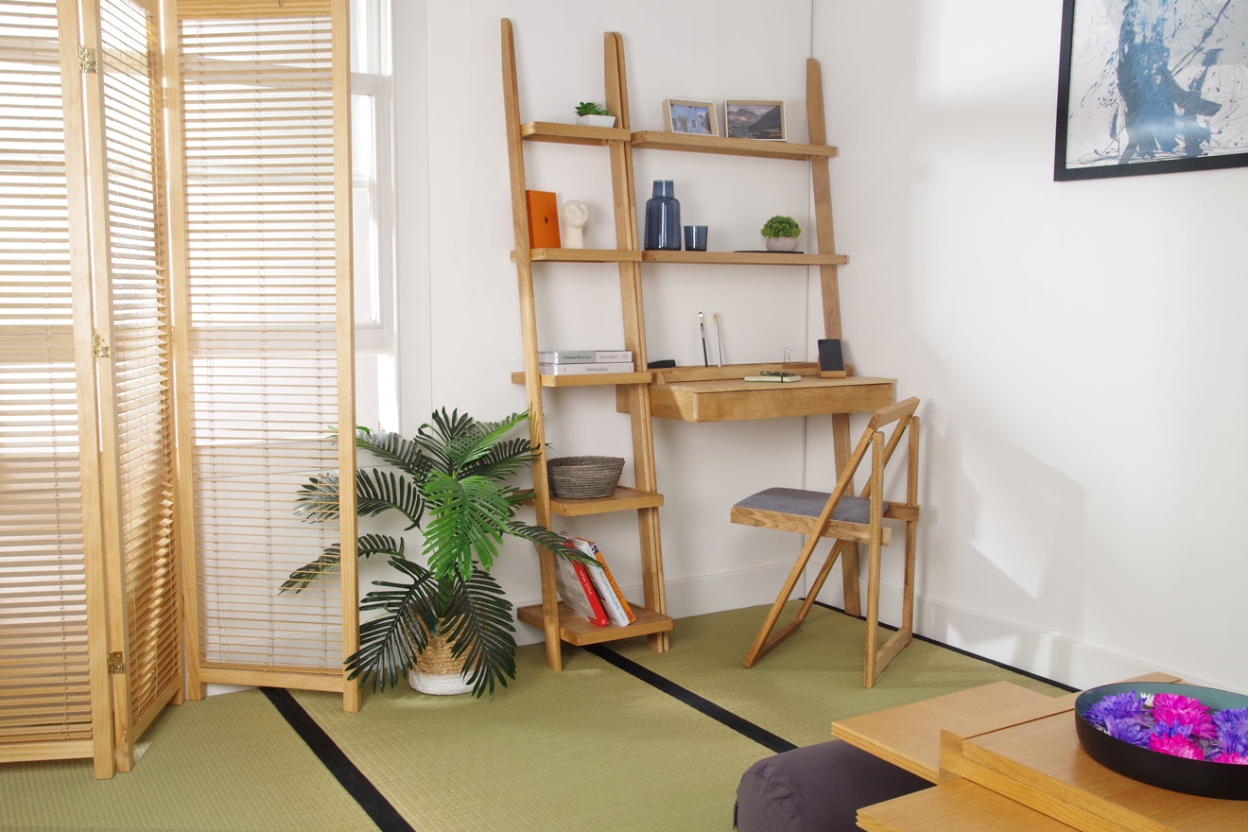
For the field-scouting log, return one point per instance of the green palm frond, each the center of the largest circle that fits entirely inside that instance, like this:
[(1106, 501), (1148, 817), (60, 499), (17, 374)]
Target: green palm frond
[(378, 489), (468, 517), (367, 545), (317, 500), (504, 459), (391, 642), (440, 440), (394, 449), (478, 626), (551, 541)]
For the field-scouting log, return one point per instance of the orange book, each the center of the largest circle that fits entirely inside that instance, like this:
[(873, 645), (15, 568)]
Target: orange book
[(543, 219)]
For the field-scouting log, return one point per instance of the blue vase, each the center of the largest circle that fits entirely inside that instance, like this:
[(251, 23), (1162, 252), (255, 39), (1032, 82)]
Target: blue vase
[(662, 218)]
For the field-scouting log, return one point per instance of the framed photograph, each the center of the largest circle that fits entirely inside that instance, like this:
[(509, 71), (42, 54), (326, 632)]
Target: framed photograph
[(1151, 87), (696, 117), (754, 120)]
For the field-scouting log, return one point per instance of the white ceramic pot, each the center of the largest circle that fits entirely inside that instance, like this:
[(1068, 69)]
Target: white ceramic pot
[(596, 121), (782, 244)]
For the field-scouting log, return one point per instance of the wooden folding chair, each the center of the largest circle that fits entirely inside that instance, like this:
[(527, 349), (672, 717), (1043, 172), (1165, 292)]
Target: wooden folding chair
[(840, 515)]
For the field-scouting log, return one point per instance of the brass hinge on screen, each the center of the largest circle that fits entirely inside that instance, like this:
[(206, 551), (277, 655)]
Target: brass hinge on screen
[(116, 663), (100, 347), (86, 59)]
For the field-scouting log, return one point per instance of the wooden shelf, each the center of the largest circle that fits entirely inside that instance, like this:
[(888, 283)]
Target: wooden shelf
[(550, 131), (659, 140), (624, 499), (576, 629), (744, 258), (581, 255), (588, 380)]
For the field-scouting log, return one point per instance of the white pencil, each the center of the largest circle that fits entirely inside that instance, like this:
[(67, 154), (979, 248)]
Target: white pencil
[(719, 344)]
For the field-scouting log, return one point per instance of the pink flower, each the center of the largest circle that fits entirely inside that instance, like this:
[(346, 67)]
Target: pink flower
[(1234, 759), (1174, 710), (1176, 746)]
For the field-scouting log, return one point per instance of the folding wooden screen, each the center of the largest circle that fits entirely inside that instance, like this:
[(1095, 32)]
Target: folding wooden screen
[(265, 364), (256, 335), (54, 700)]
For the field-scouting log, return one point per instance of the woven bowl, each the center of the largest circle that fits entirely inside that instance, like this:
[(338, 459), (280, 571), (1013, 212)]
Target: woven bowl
[(584, 476)]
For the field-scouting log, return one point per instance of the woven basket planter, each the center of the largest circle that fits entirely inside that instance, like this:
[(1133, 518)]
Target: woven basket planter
[(584, 476), (436, 672)]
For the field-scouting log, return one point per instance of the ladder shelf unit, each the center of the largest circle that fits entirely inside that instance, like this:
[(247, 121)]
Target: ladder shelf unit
[(634, 390)]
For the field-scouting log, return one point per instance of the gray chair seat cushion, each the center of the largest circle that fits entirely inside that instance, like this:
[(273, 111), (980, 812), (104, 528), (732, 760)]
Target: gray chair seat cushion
[(809, 504), (818, 788)]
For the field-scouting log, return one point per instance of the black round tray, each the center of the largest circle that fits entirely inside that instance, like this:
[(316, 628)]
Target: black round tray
[(1178, 774)]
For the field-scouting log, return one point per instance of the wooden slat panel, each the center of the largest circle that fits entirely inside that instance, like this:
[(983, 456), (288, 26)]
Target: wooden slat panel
[(45, 695), (262, 275)]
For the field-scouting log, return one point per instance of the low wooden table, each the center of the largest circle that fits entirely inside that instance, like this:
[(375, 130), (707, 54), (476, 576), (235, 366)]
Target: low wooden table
[(1004, 760)]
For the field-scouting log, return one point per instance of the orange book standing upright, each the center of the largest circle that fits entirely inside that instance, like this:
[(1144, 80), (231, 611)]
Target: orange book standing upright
[(543, 219)]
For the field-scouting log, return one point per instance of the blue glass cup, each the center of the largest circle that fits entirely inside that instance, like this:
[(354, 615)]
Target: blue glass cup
[(695, 238)]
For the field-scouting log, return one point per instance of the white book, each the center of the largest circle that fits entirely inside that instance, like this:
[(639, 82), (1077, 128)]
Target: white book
[(585, 356), (606, 593), (584, 369)]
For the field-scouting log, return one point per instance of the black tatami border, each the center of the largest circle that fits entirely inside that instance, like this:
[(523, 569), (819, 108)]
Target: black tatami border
[(332, 757), (387, 817), (704, 706)]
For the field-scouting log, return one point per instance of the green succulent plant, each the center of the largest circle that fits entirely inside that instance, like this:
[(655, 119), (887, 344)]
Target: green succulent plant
[(451, 476), (779, 226), (589, 108)]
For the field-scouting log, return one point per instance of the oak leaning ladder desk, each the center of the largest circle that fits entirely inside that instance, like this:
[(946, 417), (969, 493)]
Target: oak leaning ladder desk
[(691, 394)]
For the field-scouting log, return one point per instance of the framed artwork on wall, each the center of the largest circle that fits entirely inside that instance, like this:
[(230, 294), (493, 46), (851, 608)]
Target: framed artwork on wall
[(754, 120), (696, 117), (1151, 86)]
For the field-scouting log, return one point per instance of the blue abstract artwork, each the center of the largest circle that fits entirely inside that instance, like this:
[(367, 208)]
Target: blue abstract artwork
[(1151, 86)]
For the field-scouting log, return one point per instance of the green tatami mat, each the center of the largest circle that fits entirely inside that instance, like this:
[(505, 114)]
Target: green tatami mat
[(229, 762), (812, 678), (591, 748)]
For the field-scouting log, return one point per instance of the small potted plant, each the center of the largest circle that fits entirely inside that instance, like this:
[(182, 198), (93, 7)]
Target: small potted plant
[(781, 233), (594, 115)]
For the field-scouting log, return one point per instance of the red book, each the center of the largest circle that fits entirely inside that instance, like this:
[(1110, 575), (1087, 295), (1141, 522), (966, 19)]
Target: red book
[(577, 591)]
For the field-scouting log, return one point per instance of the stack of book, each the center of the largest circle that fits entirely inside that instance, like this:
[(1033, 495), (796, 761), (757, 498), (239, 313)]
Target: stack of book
[(582, 362), (591, 591)]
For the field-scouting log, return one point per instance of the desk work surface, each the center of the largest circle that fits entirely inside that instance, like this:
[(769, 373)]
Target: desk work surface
[(723, 400)]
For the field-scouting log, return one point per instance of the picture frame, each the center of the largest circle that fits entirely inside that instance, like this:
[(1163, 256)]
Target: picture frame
[(1142, 92), (760, 120), (685, 116)]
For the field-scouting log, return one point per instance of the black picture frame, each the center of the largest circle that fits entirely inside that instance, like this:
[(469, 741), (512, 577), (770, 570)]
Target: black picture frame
[(1169, 122)]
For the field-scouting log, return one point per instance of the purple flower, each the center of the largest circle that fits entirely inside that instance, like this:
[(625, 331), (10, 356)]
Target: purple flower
[(1232, 731), (1127, 729), (1176, 746), (1182, 714), (1125, 706)]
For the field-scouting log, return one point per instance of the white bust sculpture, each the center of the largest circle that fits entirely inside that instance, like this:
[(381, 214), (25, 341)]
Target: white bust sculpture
[(575, 215)]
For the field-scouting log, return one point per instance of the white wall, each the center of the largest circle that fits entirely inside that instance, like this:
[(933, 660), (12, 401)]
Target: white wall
[(1079, 347), (1062, 336)]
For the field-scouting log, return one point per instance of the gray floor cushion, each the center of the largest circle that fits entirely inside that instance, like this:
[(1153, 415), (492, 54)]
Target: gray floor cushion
[(818, 788)]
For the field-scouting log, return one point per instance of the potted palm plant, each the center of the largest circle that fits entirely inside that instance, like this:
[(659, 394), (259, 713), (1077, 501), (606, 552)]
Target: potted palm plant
[(451, 476)]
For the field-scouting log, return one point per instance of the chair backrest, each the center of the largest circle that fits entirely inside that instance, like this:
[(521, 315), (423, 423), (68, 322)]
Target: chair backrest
[(901, 414)]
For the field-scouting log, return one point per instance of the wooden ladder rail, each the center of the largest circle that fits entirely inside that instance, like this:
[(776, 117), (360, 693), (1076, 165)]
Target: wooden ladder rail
[(528, 329), (830, 293), (625, 201)]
